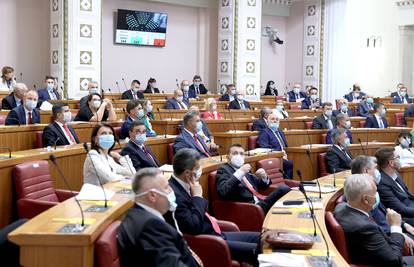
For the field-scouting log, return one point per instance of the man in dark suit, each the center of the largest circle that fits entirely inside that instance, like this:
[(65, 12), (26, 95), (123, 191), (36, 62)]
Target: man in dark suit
[(399, 86), (366, 242), (140, 154), (59, 133), (144, 238), (312, 101), (338, 156), (377, 120), (185, 87), (296, 95), (192, 209), (409, 111), (10, 252), (342, 121), (178, 101), (135, 112), (356, 95), (393, 191), (93, 88), (366, 106), (235, 182), (239, 102), (324, 120), (402, 97), (261, 123), (15, 98), (343, 108), (272, 137), (133, 92), (26, 113), (230, 94), (152, 87), (197, 88), (50, 92)]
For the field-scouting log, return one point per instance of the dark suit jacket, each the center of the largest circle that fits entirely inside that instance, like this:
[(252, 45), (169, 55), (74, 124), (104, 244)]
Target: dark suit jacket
[(364, 109), (185, 140), (336, 159), (409, 111), (230, 188), (349, 112), (18, 114), (372, 122), (399, 100), (394, 94), (259, 124), (148, 90), (225, 97), (319, 122), (366, 242), (138, 157), (329, 135), (192, 91), (83, 101), (307, 102), (172, 103), (125, 128), (292, 98), (44, 94), (9, 102), (236, 105), (267, 139), (270, 91), (128, 95), (350, 97), (146, 240), (392, 196), (53, 131)]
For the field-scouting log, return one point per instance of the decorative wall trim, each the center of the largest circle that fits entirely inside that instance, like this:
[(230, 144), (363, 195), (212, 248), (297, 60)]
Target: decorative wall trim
[(404, 3), (280, 2)]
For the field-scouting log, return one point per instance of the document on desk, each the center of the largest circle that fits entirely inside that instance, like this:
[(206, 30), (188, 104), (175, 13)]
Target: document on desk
[(93, 192), (166, 168), (316, 205), (324, 189), (277, 259), (237, 131)]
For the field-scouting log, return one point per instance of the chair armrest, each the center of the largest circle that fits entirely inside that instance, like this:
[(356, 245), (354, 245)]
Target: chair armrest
[(64, 194), (291, 183), (29, 208), (227, 226)]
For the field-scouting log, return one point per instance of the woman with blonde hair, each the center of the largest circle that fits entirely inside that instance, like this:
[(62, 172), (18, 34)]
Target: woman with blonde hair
[(211, 112)]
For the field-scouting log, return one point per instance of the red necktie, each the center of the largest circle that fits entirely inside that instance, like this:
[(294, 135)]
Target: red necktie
[(251, 189), (214, 223), (200, 146), (149, 156), (30, 117), (65, 126)]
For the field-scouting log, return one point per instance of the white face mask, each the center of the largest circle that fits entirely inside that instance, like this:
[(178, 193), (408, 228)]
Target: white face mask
[(96, 103), (179, 98), (186, 88), (149, 108), (237, 161), (240, 97), (170, 197), (198, 174), (67, 116)]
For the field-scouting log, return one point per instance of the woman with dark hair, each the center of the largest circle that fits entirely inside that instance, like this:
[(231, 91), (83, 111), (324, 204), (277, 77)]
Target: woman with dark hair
[(96, 110), (271, 88), (405, 149), (148, 117), (151, 87), (7, 78), (103, 164)]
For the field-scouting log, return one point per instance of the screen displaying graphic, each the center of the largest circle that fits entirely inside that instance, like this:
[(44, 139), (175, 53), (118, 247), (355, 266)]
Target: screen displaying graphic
[(141, 28)]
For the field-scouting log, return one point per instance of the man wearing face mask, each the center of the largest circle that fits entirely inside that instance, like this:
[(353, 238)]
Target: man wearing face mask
[(134, 92), (366, 106), (404, 149), (93, 88), (48, 93), (338, 156), (324, 120), (296, 95), (197, 88), (356, 95), (342, 122), (192, 209), (392, 189), (343, 108), (230, 94), (185, 87), (399, 86), (366, 242), (402, 97), (377, 120), (26, 113), (312, 101), (272, 137), (239, 102), (178, 101), (143, 235), (59, 132), (135, 112), (235, 182)]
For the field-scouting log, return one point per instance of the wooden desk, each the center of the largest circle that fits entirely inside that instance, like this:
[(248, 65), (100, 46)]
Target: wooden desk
[(381, 135), (179, 114), (407, 174), (226, 139)]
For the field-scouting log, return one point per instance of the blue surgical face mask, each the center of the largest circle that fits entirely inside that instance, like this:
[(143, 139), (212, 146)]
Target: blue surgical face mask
[(31, 104), (106, 141), (328, 113), (50, 86), (149, 108), (141, 113), (370, 100), (296, 90), (377, 201), (179, 98), (94, 91), (344, 108), (314, 97), (273, 126), (199, 126), (170, 197), (377, 176), (402, 94), (140, 138), (347, 142)]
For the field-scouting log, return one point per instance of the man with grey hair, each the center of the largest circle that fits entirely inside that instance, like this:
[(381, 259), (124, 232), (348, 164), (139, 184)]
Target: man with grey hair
[(14, 99), (93, 88), (144, 237), (178, 101), (261, 123), (366, 241), (342, 121), (185, 87), (338, 156)]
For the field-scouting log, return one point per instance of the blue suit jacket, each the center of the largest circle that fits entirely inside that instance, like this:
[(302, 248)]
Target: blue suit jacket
[(236, 105), (399, 100), (225, 97), (18, 114), (192, 91), (125, 128), (373, 123), (138, 157), (337, 111), (350, 97), (267, 139), (307, 102), (329, 135), (172, 103), (44, 95), (292, 98), (364, 109), (185, 140)]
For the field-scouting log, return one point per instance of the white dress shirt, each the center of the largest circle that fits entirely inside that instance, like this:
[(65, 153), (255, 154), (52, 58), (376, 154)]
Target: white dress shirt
[(151, 210), (183, 184), (380, 122), (64, 132), (406, 156), (4, 85)]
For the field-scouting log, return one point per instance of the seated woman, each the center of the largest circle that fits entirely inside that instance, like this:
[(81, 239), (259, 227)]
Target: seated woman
[(211, 110), (280, 111), (102, 164), (96, 110), (149, 116), (271, 88), (404, 149)]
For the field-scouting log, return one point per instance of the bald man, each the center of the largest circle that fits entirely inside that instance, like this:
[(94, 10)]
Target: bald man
[(239, 102), (178, 101), (14, 99)]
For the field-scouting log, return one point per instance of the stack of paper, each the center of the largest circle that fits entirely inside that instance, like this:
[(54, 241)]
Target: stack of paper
[(93, 192), (277, 259)]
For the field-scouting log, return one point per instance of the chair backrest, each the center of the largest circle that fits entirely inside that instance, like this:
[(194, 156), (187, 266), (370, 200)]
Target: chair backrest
[(272, 166), (117, 131), (308, 124), (399, 119), (250, 126), (34, 181), (106, 247), (170, 153), (337, 234), (280, 97), (323, 168), (323, 139), (3, 119), (294, 106), (251, 142), (361, 124), (212, 188), (39, 139)]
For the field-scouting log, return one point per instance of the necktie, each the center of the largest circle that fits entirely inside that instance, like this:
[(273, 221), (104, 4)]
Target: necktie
[(149, 156), (214, 223), (30, 117), (200, 146), (400, 186), (381, 124), (72, 139), (297, 96), (280, 140), (329, 123), (251, 189), (242, 105), (134, 95), (197, 90)]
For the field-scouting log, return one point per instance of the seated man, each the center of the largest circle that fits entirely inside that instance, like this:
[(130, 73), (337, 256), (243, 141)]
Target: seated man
[(140, 154), (26, 113), (366, 242), (343, 108), (10, 252), (239, 102), (377, 120), (296, 95), (235, 182), (356, 95), (366, 106), (133, 92), (280, 111), (338, 157), (144, 235), (59, 133), (272, 137), (312, 101), (402, 96), (185, 87), (399, 86), (93, 88), (324, 120), (197, 88), (392, 189), (230, 93), (135, 112), (14, 99), (178, 101), (50, 92), (192, 209), (261, 123), (342, 121)]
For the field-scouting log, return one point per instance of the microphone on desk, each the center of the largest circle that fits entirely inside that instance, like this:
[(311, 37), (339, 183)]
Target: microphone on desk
[(165, 125), (232, 120), (34, 87), (53, 160), (103, 93), (113, 99), (310, 205), (21, 77), (117, 86), (317, 180), (299, 173), (283, 174), (362, 147), (123, 81), (55, 143), (176, 83), (8, 149), (334, 177)]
